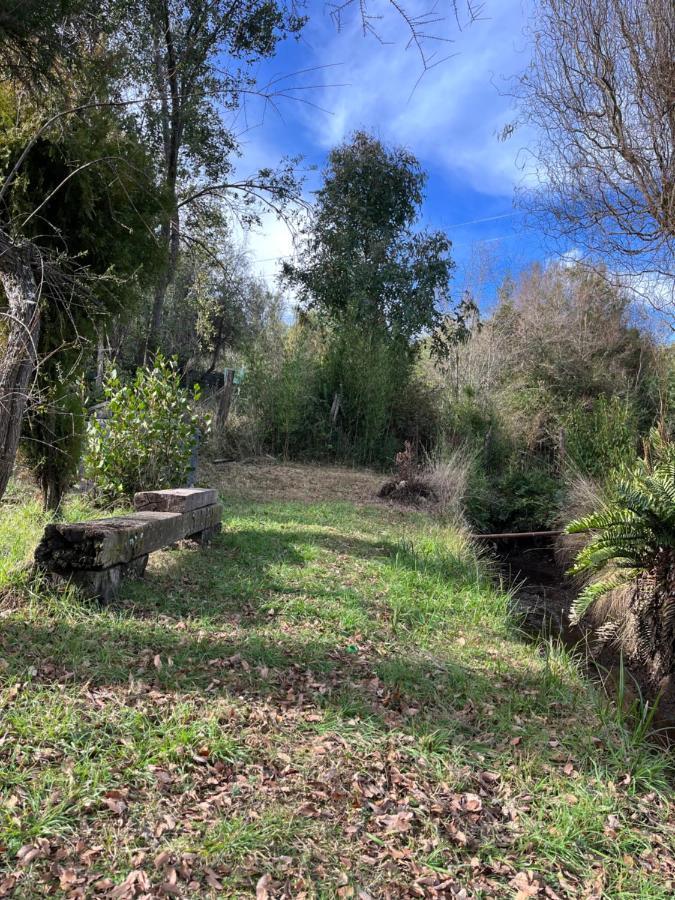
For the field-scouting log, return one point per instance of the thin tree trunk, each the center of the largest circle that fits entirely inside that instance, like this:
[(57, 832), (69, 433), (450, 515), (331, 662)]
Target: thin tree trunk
[(167, 74), (17, 366), (225, 400), (170, 233)]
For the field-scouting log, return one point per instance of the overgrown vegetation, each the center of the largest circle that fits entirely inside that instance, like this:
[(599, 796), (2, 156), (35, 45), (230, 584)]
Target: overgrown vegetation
[(333, 700), (558, 380), (634, 529), (630, 551)]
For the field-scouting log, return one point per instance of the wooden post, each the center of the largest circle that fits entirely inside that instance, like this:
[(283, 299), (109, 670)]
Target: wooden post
[(335, 409)]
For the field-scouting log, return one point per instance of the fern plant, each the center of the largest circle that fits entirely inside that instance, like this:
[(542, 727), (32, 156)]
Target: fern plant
[(634, 528)]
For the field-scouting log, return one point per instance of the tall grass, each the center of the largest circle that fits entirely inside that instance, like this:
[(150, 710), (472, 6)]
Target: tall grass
[(449, 479)]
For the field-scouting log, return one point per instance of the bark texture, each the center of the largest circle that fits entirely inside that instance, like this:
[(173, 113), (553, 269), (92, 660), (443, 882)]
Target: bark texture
[(17, 366)]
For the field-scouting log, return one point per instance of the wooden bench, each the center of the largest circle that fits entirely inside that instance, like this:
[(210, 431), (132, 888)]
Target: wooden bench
[(96, 555)]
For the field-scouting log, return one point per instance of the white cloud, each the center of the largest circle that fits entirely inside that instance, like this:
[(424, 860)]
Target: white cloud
[(268, 246), (450, 119), (455, 112)]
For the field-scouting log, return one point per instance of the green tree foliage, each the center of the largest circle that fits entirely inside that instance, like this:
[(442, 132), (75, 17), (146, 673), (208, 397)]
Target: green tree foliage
[(601, 435), (376, 284), (362, 259), (37, 34), (283, 391), (146, 440), (87, 196), (195, 60)]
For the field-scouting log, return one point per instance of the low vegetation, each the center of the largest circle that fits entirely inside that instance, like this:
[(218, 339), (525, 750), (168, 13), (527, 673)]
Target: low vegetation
[(147, 432), (331, 701)]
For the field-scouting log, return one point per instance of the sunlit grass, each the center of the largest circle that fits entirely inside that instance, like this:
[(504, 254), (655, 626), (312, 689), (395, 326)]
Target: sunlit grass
[(190, 717)]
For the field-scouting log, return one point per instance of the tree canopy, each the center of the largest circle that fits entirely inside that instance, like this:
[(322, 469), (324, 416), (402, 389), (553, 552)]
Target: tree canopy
[(361, 254)]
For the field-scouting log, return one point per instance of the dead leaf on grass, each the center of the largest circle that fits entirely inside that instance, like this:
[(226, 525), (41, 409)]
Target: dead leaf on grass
[(397, 822), (262, 888), (527, 884), (471, 803)]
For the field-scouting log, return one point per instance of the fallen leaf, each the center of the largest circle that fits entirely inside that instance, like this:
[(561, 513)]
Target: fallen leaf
[(400, 821), (526, 885), (471, 802), (212, 880), (262, 888), (67, 878)]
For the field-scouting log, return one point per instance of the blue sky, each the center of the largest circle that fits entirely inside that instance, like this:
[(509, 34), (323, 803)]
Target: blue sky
[(450, 120)]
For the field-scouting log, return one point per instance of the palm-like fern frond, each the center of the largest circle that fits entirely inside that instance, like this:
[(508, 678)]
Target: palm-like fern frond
[(632, 527)]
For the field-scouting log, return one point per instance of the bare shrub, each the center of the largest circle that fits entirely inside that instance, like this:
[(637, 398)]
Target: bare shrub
[(583, 495)]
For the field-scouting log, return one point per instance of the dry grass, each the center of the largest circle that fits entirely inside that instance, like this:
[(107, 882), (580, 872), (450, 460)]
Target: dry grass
[(308, 483), (583, 496), (449, 480)]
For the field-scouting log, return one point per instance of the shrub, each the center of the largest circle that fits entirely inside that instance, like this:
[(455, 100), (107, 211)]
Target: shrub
[(633, 533), (281, 405), (525, 497), (368, 370), (148, 437), (601, 436), (54, 433)]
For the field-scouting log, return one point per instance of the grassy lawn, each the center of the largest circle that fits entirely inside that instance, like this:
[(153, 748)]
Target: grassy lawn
[(331, 701)]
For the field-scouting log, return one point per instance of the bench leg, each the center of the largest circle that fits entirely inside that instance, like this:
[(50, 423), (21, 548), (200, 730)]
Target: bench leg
[(204, 538)]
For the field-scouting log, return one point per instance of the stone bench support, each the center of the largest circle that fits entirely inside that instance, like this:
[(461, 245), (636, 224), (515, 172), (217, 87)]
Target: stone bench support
[(96, 555)]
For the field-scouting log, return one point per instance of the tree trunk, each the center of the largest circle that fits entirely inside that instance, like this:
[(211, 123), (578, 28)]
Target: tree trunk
[(225, 400), (167, 75), (171, 234), (17, 366)]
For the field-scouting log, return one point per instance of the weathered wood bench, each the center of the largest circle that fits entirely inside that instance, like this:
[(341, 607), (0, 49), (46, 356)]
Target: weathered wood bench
[(96, 555)]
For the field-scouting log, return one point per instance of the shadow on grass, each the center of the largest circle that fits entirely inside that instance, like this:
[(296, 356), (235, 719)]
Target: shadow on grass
[(211, 618), (244, 568)]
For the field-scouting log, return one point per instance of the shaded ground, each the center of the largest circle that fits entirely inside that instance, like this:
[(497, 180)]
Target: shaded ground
[(544, 596), (329, 702)]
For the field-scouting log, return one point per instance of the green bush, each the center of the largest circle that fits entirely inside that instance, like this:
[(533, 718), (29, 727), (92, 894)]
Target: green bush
[(368, 371), (148, 437), (601, 436), (281, 393), (54, 434)]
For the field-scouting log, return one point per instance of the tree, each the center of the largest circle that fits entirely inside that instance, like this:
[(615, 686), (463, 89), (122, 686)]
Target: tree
[(214, 305), (195, 59), (375, 282), (601, 93), (33, 35), (87, 204), (361, 257)]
